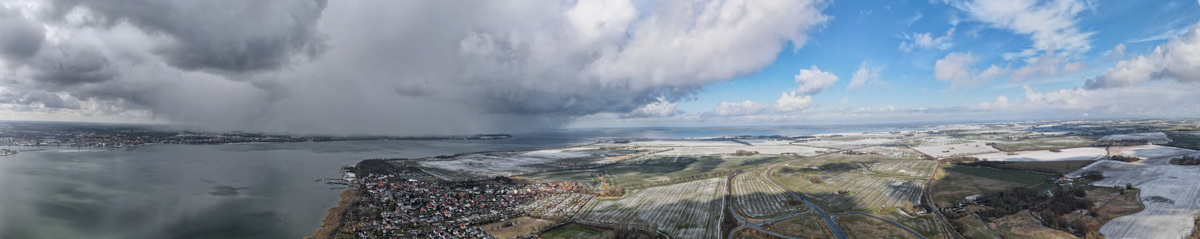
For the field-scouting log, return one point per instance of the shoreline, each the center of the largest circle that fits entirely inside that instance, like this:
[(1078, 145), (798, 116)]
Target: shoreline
[(333, 220)]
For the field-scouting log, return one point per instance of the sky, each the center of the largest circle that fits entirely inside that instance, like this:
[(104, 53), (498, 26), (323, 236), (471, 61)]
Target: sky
[(457, 67)]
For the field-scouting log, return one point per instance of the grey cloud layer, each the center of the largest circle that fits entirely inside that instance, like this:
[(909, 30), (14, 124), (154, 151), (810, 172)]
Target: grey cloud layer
[(389, 67)]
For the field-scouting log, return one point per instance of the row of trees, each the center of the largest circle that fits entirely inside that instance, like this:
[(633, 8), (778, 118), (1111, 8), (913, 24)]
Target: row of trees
[(1051, 209), (1186, 160)]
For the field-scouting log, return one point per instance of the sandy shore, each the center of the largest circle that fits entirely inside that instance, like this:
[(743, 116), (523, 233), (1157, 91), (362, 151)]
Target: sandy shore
[(333, 220)]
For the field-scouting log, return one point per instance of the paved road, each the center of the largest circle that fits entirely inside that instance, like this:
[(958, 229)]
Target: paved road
[(813, 210), (833, 225)]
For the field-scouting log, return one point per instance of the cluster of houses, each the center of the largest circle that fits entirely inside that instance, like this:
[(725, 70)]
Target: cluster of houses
[(397, 205)]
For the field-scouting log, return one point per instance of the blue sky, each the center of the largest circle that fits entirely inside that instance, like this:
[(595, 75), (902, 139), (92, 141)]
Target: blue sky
[(442, 67), (870, 32)]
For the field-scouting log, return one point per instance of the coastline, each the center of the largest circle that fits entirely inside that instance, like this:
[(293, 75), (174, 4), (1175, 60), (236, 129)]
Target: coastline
[(333, 220)]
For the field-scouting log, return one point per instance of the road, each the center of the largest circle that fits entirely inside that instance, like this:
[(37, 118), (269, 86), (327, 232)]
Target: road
[(813, 210)]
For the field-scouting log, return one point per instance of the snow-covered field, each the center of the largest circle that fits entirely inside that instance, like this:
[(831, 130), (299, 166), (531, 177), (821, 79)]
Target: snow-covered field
[(890, 151), (726, 150), (959, 149), (1152, 137), (1150, 151), (509, 163), (849, 143), (684, 210), (1084, 153), (685, 147), (685, 143), (1155, 177)]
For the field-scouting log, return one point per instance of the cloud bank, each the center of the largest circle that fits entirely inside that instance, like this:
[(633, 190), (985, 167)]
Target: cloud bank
[(382, 67)]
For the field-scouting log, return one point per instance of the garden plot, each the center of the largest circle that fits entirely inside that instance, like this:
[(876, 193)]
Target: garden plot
[(1170, 193), (1150, 151), (684, 210), (755, 196), (961, 148), (1085, 153), (1152, 137)]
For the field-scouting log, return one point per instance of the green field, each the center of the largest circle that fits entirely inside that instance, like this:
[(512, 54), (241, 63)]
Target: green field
[(807, 227), (1187, 140), (956, 182), (1043, 143), (1057, 167), (574, 231), (857, 226)]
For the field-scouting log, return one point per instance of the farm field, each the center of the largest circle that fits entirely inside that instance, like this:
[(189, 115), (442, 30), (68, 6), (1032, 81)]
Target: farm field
[(1042, 143), (1152, 137), (926, 225), (710, 147), (974, 228), (1071, 154), (1176, 193), (857, 226), (490, 164), (806, 226), (846, 182), (682, 210), (956, 182), (1055, 167), (1150, 151), (1111, 203), (1024, 225), (520, 226), (747, 233), (573, 231), (850, 142), (1184, 139), (942, 146), (660, 168), (891, 151), (756, 196)]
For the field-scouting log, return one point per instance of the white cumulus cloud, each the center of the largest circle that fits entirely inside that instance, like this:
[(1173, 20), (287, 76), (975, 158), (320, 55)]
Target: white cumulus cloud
[(1178, 59)]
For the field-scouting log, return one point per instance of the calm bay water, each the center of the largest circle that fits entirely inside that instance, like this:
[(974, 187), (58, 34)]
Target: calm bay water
[(229, 191)]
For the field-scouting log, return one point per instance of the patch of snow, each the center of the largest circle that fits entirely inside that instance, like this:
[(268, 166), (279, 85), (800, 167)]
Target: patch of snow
[(1150, 151), (1084, 153), (1152, 137)]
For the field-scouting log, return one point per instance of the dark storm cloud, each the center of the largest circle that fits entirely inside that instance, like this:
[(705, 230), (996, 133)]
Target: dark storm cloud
[(19, 38), (404, 67), (41, 98), (69, 65), (220, 35)]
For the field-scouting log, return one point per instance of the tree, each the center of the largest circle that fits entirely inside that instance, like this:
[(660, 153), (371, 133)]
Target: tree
[(1093, 175)]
